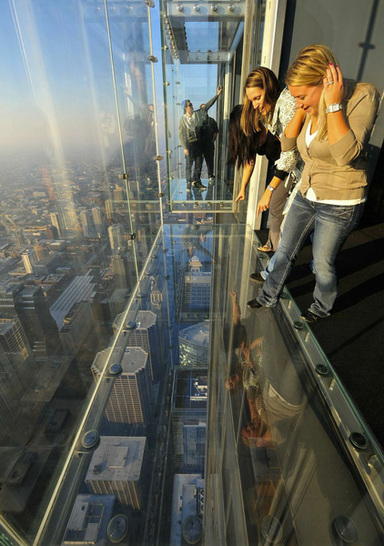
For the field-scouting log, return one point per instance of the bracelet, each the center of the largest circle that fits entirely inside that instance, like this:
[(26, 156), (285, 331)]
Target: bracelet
[(270, 188)]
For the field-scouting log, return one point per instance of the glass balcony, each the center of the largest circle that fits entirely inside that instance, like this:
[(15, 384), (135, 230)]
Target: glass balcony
[(203, 47), (141, 402)]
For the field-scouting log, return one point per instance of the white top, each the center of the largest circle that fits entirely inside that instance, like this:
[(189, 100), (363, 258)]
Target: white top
[(311, 196)]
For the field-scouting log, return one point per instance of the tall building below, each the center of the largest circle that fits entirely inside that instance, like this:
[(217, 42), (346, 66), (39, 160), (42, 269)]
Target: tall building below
[(78, 326), (189, 415), (57, 223), (187, 509), (117, 467), (131, 397), (109, 209), (89, 520), (29, 260), (82, 288), (194, 438), (52, 232), (122, 275), (197, 285), (39, 326), (194, 345), (99, 219), (87, 224), (16, 352), (118, 193), (144, 332), (116, 237), (16, 368)]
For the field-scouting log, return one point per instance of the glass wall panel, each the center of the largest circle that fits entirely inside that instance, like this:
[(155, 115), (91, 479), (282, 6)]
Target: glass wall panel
[(81, 208), (143, 435)]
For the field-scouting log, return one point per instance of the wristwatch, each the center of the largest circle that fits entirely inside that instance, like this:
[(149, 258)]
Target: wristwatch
[(335, 107), (270, 188)]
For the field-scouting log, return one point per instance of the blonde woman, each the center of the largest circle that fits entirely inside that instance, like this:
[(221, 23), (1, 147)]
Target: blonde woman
[(265, 114), (330, 129)]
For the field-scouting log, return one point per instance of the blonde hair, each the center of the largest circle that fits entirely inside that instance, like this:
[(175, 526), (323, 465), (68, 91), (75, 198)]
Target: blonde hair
[(265, 79), (309, 68)]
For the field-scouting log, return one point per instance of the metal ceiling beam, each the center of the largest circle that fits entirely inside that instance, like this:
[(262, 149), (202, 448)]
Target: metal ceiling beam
[(216, 11)]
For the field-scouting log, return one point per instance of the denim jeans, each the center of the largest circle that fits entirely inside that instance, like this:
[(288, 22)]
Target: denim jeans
[(331, 225), (194, 158), (271, 263)]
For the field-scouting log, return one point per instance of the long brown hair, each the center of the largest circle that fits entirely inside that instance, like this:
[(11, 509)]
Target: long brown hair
[(265, 79), (242, 148)]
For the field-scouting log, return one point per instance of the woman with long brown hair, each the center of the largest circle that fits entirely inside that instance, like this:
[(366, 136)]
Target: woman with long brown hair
[(267, 111)]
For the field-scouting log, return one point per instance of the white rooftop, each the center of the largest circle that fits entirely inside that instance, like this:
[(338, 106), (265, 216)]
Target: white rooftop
[(118, 458)]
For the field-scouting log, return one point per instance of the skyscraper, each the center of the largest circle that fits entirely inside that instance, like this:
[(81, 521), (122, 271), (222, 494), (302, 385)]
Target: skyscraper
[(189, 414), (99, 220), (19, 236), (89, 520), (187, 509), (197, 285), (120, 271), (52, 232), (131, 398), (56, 221), (86, 220), (194, 345), (116, 237), (29, 260), (28, 303), (77, 327), (118, 193), (144, 332), (16, 367), (109, 209), (33, 311), (117, 467)]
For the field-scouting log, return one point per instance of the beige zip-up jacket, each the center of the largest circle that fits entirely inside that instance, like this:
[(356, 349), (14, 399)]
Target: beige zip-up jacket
[(339, 171)]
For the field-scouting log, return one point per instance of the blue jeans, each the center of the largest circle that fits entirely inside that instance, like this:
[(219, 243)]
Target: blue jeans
[(331, 225), (194, 158), (269, 268), (271, 264)]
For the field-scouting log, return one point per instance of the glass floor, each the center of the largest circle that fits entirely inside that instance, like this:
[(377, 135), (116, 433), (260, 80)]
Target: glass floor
[(214, 198), (202, 422)]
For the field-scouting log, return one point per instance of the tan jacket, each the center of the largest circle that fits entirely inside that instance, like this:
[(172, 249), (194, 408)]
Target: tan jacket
[(339, 171)]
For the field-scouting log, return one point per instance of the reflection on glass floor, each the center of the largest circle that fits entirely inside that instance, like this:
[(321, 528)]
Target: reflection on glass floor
[(216, 197), (296, 483), (199, 407)]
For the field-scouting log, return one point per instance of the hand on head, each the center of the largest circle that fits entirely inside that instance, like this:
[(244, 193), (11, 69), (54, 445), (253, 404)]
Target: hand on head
[(333, 85)]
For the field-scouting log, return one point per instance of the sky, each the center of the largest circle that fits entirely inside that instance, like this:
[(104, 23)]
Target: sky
[(56, 83), (56, 79)]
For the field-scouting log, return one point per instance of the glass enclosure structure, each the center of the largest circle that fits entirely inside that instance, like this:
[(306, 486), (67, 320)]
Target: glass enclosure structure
[(139, 403), (204, 46)]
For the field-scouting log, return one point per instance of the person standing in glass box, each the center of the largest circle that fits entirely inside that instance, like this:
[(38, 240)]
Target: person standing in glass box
[(189, 126), (207, 136)]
